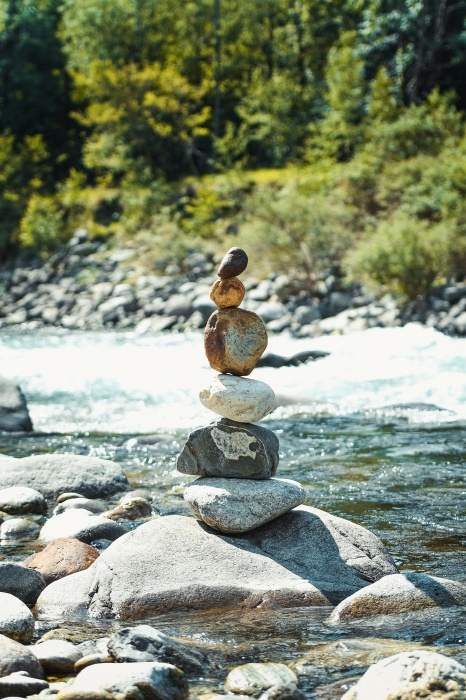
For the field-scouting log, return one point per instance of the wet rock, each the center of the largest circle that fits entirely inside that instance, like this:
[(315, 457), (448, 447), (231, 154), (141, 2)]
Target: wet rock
[(306, 557), (52, 474), (239, 505), (230, 449), (91, 504), (145, 643), (233, 263), (401, 593), (21, 499), (283, 692), (18, 529), (14, 414), (16, 620), (62, 557), (135, 508), (20, 685), (411, 675), (92, 660), (16, 657), (299, 358), (140, 681), (227, 293), (67, 496), (239, 399), (234, 340), (56, 656), (21, 582), (82, 525), (255, 678)]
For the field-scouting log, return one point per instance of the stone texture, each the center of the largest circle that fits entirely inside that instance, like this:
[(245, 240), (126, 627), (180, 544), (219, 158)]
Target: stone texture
[(145, 643), (239, 505), (82, 525), (16, 620), (239, 399), (234, 340), (255, 678), (230, 449), (56, 656), (409, 676), (135, 508), (306, 557), (21, 582), (227, 293), (400, 593), (62, 557), (51, 474), (21, 499), (18, 529), (154, 681), (14, 414), (20, 685), (92, 504), (16, 657), (233, 263)]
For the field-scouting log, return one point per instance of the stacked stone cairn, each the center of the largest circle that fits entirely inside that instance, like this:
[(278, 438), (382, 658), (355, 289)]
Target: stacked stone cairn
[(234, 458)]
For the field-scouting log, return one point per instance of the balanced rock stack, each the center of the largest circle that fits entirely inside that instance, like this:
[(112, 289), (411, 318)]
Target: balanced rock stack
[(235, 459)]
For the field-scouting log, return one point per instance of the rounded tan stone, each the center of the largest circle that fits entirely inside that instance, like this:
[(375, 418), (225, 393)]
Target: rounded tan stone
[(234, 340), (227, 293), (62, 557)]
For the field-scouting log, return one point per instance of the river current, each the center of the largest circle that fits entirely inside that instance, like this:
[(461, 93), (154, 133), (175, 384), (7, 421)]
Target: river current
[(376, 431)]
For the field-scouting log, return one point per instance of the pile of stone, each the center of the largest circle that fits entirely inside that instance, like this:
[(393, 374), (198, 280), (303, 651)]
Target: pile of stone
[(235, 459)]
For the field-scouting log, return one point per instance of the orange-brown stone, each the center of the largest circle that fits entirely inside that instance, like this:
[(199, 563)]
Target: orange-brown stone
[(234, 340), (62, 557), (233, 263), (227, 293)]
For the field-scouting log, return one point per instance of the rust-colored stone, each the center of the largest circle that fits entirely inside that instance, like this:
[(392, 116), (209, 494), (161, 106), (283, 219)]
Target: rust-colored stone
[(227, 293), (234, 262), (62, 557), (234, 340)]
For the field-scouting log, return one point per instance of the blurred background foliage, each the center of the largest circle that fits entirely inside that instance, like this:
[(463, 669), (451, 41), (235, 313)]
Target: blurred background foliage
[(302, 129)]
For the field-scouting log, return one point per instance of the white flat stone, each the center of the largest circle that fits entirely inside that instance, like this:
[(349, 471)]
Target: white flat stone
[(238, 398), (239, 505)]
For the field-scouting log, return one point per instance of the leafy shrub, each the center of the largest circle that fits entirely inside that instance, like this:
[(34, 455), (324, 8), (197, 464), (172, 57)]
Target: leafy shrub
[(407, 256), (42, 224)]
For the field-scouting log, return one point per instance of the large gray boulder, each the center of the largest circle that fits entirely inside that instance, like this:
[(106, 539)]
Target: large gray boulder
[(411, 675), (239, 505), (14, 414), (16, 657), (401, 593), (21, 582), (306, 557), (227, 448), (16, 620), (52, 474)]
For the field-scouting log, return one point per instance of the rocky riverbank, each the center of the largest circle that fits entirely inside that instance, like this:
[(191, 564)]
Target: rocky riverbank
[(89, 286)]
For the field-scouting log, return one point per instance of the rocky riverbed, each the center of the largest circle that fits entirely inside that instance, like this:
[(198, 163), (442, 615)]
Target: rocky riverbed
[(90, 286)]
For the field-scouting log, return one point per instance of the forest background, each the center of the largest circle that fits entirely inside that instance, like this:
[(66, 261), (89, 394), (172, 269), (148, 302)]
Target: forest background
[(320, 134)]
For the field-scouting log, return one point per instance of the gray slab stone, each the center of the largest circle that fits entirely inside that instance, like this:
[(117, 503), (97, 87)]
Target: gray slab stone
[(14, 414)]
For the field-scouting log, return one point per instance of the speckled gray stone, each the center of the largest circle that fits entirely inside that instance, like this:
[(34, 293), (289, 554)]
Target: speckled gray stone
[(238, 398), (16, 620)]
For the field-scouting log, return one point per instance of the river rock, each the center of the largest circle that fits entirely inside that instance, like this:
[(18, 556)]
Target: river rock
[(271, 359), (230, 449), (239, 505), (82, 525), (239, 399), (62, 557), (233, 263), (411, 675), (91, 504), (305, 557), (14, 414), (18, 529), (145, 643), (21, 582), (401, 593), (21, 499), (227, 293), (234, 340), (154, 681), (52, 474), (135, 508), (255, 678), (16, 620), (16, 657), (56, 656), (20, 685)]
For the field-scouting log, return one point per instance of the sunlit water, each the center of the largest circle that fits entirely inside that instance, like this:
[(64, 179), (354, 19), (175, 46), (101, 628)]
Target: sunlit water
[(376, 432)]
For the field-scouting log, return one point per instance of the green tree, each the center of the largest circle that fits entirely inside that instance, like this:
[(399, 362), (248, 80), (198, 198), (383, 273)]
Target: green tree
[(382, 105)]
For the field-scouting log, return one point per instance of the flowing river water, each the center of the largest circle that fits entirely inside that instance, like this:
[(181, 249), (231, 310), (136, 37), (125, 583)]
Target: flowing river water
[(376, 432)]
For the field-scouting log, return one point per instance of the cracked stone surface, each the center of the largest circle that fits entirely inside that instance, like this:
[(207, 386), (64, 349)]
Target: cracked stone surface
[(305, 557)]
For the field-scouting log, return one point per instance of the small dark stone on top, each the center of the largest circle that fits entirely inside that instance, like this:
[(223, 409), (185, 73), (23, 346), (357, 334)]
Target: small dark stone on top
[(233, 263)]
